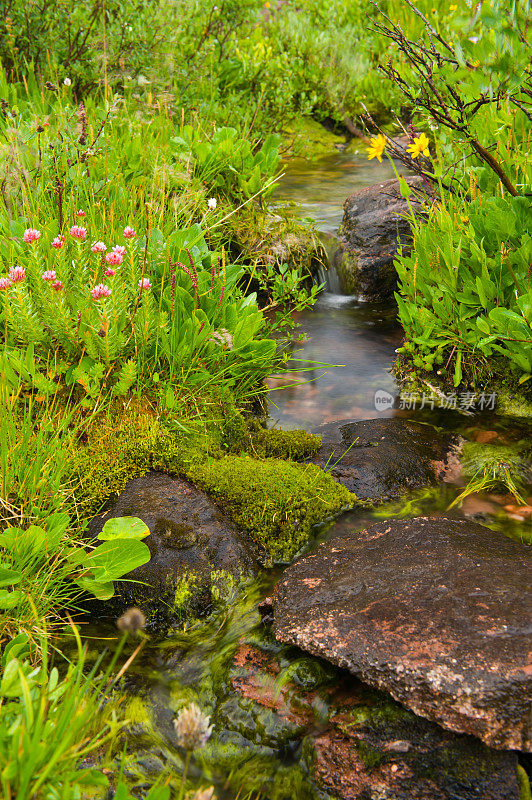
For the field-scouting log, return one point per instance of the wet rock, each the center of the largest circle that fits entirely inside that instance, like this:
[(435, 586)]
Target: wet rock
[(190, 540), (372, 224), (382, 458), (358, 759), (434, 611), (358, 743)]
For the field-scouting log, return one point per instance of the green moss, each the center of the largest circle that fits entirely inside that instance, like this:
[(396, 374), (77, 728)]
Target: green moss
[(524, 784), (277, 443), (309, 139), (278, 502), (369, 755), (137, 712), (514, 405)]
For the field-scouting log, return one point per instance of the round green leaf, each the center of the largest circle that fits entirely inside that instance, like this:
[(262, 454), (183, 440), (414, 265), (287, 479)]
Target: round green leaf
[(124, 528)]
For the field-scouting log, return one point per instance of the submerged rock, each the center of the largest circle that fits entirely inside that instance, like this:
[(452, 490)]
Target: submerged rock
[(379, 459), (373, 225), (192, 544), (357, 743), (434, 611)]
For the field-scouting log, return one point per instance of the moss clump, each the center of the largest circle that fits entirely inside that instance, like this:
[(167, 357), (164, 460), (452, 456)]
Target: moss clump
[(126, 446), (310, 139), (278, 502), (514, 405), (276, 443)]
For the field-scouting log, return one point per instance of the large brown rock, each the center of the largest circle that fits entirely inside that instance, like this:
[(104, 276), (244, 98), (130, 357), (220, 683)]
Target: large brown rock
[(434, 611), (373, 224), (379, 459), (190, 539)]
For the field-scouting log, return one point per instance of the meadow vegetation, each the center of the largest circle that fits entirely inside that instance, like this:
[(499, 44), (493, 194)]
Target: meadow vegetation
[(146, 289)]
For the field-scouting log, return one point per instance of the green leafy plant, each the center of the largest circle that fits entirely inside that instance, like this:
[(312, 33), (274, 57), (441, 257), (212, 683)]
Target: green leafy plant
[(43, 571), (136, 313), (228, 163), (464, 296)]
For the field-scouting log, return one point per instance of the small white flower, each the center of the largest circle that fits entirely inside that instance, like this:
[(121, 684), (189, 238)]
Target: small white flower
[(67, 82), (192, 728), (212, 203)]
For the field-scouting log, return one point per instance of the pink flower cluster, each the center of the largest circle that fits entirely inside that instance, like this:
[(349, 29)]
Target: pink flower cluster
[(80, 213), (99, 291), (98, 247), (50, 277), (17, 274), (58, 242), (129, 233), (78, 232), (31, 235), (144, 283)]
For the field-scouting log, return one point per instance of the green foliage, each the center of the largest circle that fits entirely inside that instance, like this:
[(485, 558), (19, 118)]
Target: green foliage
[(64, 39), (278, 502), (149, 315), (48, 725), (42, 570), (230, 164), (496, 467), (464, 297)]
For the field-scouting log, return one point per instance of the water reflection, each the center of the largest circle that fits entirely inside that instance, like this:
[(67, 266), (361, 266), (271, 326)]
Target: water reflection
[(319, 188)]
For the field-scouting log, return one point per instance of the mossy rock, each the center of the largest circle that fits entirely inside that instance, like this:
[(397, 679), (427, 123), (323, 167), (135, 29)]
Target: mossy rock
[(308, 138), (277, 501)]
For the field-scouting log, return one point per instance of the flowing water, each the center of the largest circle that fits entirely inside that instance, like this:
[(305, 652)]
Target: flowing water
[(269, 702)]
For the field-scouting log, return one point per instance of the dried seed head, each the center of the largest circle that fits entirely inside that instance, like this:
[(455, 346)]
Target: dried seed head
[(204, 794), (192, 727), (132, 620)]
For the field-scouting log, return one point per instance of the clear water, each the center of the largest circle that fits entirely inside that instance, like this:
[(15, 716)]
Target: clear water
[(350, 344)]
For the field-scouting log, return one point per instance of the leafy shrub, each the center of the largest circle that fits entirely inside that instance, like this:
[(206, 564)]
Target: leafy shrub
[(229, 164), (78, 41), (464, 296)]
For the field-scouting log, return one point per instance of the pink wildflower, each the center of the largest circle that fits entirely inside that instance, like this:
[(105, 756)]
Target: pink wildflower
[(78, 233), (80, 213), (109, 272), (129, 233), (114, 259), (49, 275), (99, 291), (58, 242), (5, 283), (17, 274), (120, 249), (31, 235), (57, 286), (144, 283), (98, 247)]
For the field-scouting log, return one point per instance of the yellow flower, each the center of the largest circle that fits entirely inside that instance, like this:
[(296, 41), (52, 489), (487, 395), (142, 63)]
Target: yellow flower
[(376, 147), (453, 8), (421, 145)]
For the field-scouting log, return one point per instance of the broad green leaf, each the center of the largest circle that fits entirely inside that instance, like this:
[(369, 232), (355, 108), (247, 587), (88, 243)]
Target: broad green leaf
[(124, 528), (9, 577)]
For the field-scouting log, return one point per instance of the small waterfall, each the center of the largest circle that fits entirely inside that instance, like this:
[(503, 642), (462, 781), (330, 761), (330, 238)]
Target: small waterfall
[(327, 273)]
